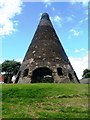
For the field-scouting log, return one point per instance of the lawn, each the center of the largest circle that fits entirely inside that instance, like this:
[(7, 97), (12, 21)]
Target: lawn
[(44, 100)]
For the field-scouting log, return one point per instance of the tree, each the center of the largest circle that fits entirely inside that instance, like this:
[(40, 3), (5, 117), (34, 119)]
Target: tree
[(86, 73), (0, 68), (10, 67)]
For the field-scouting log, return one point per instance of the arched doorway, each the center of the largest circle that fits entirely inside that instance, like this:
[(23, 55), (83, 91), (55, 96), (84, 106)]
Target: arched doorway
[(59, 71), (70, 76), (25, 73), (42, 74)]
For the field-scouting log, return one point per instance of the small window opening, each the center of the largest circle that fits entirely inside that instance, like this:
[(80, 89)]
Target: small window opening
[(25, 73), (59, 71), (70, 76)]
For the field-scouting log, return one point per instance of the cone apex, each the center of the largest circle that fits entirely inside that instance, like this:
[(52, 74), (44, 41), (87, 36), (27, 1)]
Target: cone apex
[(45, 16)]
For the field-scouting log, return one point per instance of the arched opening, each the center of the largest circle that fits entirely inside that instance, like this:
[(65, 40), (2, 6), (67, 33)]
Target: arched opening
[(59, 71), (43, 75), (18, 75), (70, 76), (25, 73)]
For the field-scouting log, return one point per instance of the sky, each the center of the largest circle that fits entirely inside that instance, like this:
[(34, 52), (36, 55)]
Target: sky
[(19, 20)]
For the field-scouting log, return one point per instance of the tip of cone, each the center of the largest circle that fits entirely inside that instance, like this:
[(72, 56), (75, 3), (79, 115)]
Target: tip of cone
[(45, 15)]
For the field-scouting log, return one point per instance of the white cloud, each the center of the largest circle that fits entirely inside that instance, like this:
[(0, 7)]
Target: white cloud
[(1, 61), (86, 19), (53, 9), (79, 64), (19, 60), (74, 32), (83, 20), (82, 49), (85, 3), (57, 19), (76, 51), (47, 3), (79, 50), (8, 9)]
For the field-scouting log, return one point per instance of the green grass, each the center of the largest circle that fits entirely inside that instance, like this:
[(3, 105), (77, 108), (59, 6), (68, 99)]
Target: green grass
[(45, 100), (0, 101)]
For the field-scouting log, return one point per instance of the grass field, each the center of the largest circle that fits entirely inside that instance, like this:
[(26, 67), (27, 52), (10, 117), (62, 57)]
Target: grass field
[(45, 100)]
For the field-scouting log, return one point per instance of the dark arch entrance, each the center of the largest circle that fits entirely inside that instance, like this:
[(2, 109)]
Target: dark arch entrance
[(70, 77), (42, 74), (59, 71), (25, 73)]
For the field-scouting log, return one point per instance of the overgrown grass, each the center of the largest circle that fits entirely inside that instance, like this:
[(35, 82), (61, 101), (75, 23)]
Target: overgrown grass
[(45, 100)]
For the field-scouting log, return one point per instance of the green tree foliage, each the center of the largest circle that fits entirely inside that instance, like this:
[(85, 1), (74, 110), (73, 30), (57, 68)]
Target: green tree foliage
[(10, 67), (86, 73)]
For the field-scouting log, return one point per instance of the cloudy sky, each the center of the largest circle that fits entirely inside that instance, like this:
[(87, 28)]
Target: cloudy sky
[(19, 20)]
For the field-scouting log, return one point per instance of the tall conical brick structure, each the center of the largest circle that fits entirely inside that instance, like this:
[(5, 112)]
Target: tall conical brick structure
[(45, 59)]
